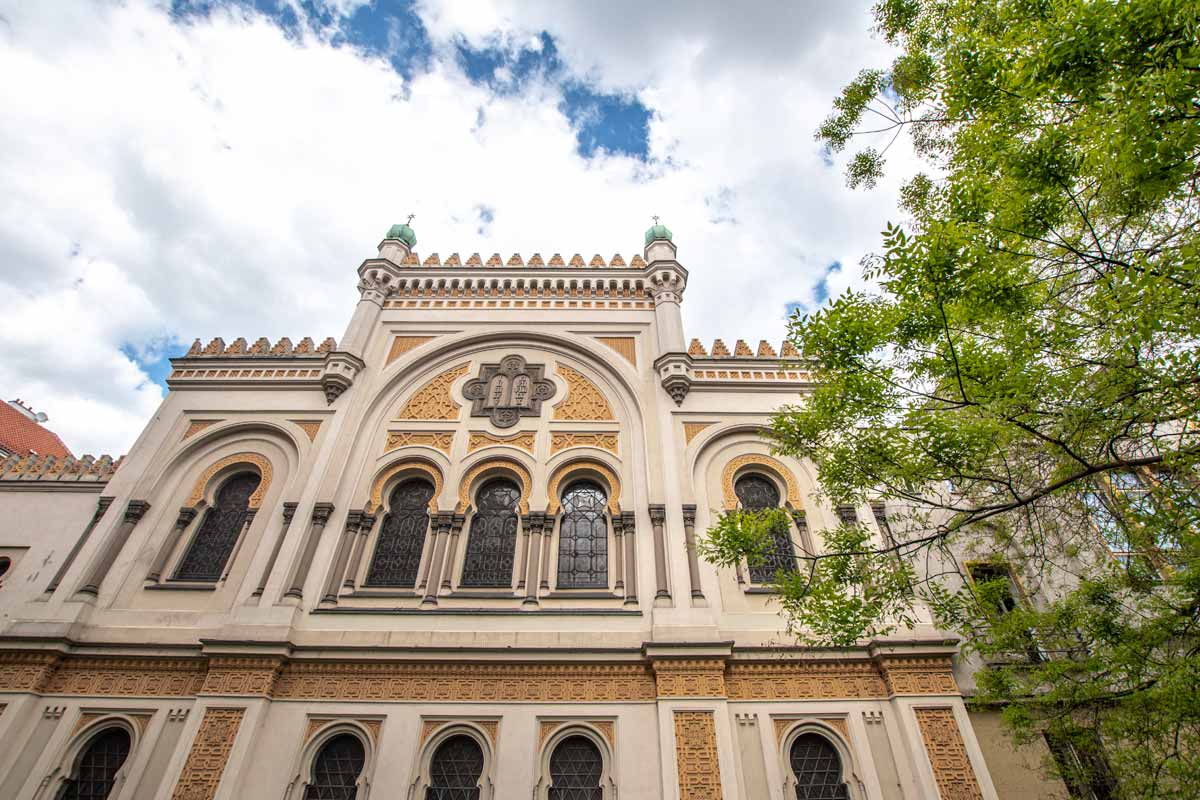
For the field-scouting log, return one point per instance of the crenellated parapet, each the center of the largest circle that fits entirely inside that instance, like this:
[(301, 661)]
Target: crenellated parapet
[(85, 469), (262, 348), (742, 350)]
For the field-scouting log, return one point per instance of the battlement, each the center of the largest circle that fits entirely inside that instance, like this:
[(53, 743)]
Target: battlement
[(55, 468)]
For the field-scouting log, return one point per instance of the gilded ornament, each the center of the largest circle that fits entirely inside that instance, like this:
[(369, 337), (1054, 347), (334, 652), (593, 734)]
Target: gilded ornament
[(571, 470), (947, 754), (197, 425), (376, 500), (209, 754), (480, 439), (692, 429), (770, 464), (433, 400), (564, 441), (438, 440), (512, 467), (584, 401), (310, 427), (402, 344), (696, 755)]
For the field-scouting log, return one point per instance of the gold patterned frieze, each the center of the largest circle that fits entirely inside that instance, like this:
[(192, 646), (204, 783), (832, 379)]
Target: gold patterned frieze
[(584, 401), (376, 500), (511, 467), (256, 460), (572, 469), (690, 678), (625, 345), (311, 427), (565, 441), (209, 754), (923, 675), (26, 672), (402, 344), (696, 755), (433, 400), (548, 727), (785, 724), (808, 680), (242, 675), (773, 465), (523, 440), (952, 768), (438, 440), (692, 429), (127, 677), (197, 425)]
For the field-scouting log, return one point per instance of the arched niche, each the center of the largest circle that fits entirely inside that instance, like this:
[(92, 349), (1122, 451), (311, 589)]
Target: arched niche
[(402, 470), (583, 469), (791, 730), (488, 468)]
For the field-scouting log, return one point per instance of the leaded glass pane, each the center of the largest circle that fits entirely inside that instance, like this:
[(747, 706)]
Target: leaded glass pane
[(98, 766), (575, 767), (756, 493), (401, 536), (817, 768), (218, 534), (583, 538), (493, 537), (455, 769), (336, 769)]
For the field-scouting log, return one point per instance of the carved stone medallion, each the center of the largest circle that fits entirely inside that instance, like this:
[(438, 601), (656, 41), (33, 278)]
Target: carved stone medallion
[(507, 391)]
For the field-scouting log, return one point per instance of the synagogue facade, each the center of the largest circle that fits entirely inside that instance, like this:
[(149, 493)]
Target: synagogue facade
[(454, 556)]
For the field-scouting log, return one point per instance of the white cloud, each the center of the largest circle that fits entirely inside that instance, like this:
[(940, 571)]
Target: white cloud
[(218, 178)]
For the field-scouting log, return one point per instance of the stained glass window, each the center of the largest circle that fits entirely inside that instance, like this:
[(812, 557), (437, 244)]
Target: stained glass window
[(493, 537), (756, 493), (336, 769), (817, 768), (402, 536), (583, 538), (96, 772), (218, 534), (575, 767), (455, 769)]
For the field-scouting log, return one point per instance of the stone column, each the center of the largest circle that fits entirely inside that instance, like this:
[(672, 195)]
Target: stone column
[(237, 547), (535, 523), (134, 511), (689, 537), (289, 511), (320, 517), (524, 559), (629, 524), (658, 516), (333, 581), (356, 555), (618, 553), (445, 520), (547, 531), (186, 515), (452, 549), (101, 506)]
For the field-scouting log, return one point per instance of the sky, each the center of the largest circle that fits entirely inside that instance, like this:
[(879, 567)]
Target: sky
[(199, 168)]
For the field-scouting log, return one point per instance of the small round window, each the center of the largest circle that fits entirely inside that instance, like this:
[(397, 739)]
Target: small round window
[(5, 566)]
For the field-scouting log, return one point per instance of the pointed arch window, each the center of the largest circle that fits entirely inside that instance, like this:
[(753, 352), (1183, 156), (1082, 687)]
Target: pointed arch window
[(96, 771), (455, 770), (336, 769), (493, 537), (575, 769), (218, 534), (583, 538), (402, 536), (757, 493), (817, 769)]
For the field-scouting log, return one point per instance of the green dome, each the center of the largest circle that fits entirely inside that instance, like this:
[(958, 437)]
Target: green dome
[(405, 234), (658, 232)]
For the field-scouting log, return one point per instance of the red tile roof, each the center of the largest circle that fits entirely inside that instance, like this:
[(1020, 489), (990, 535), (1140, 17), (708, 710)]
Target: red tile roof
[(22, 436)]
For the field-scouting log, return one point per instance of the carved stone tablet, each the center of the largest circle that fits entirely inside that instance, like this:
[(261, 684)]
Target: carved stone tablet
[(507, 391)]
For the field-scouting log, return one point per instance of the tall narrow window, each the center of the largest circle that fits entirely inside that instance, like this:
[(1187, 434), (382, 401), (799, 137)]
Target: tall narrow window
[(575, 768), (583, 538), (1084, 767), (218, 534), (756, 493), (493, 537), (455, 769), (96, 772), (336, 769), (995, 585), (817, 769), (402, 536)]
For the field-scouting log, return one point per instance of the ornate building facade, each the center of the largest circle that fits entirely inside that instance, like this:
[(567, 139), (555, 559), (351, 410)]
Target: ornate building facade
[(454, 556)]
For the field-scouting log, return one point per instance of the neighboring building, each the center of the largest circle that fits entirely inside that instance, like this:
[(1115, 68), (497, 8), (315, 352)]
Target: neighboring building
[(454, 556), (22, 434)]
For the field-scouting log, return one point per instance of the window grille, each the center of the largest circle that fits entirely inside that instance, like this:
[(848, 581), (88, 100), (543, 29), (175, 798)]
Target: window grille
[(756, 493), (213, 543), (493, 537), (817, 769), (97, 770), (583, 538), (575, 768), (336, 769), (402, 536), (455, 769)]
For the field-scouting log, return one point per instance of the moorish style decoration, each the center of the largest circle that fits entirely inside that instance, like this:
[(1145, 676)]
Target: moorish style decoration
[(696, 755), (584, 401), (507, 391), (210, 752), (947, 754)]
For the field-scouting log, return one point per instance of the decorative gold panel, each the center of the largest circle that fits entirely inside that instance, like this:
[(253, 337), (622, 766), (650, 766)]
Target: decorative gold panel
[(376, 501), (584, 401), (690, 678), (692, 429), (317, 723), (311, 427), (573, 468), (402, 344), (480, 439), (197, 425), (947, 754), (438, 440), (514, 468), (625, 345), (433, 400), (128, 677), (210, 752), (811, 681), (562, 441), (919, 675), (242, 675), (782, 726), (26, 672), (547, 727), (773, 465), (253, 459), (696, 755)]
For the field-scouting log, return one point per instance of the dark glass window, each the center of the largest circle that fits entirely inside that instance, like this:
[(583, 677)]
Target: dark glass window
[(97, 769), (756, 493), (493, 538), (218, 534), (847, 515), (817, 768), (402, 536), (1083, 766), (575, 767), (583, 538), (336, 769), (455, 769)]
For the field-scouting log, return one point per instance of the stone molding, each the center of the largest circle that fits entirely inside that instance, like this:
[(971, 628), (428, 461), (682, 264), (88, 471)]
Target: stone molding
[(571, 469), (433, 473), (252, 459), (438, 440), (209, 754), (770, 464), (943, 741)]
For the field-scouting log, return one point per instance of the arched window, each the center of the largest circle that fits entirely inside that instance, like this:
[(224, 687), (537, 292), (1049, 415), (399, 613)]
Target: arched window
[(493, 538), (817, 769), (218, 533), (98, 765), (583, 538), (455, 769), (336, 769), (575, 768), (402, 536), (756, 493)]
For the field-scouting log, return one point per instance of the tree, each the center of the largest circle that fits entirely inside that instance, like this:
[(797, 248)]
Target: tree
[(1022, 385)]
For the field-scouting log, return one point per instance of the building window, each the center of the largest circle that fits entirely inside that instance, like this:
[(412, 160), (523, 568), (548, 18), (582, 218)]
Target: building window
[(493, 537), (402, 536), (336, 769), (1117, 507), (995, 586), (756, 493), (218, 534), (575, 769), (847, 515), (97, 768), (583, 538), (455, 770), (817, 769), (1085, 771)]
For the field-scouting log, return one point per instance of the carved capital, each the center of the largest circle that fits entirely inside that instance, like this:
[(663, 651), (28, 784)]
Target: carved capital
[(186, 515), (376, 287), (101, 506), (444, 520), (135, 511), (618, 523), (457, 524), (289, 511), (689, 516), (658, 515), (321, 512), (366, 522), (629, 522), (535, 522), (353, 519)]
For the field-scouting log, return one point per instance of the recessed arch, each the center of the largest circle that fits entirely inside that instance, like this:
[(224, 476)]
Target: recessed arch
[(260, 464), (583, 468), (740, 464), (396, 472), (825, 746), (489, 468), (323, 735), (563, 735), (450, 736), (94, 741)]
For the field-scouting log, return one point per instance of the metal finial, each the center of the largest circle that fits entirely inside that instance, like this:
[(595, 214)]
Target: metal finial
[(655, 218), (411, 217)]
